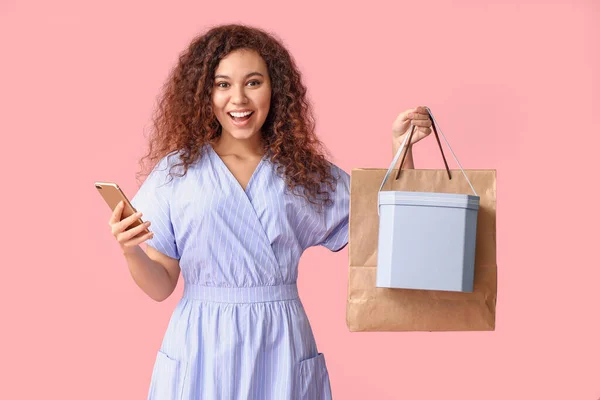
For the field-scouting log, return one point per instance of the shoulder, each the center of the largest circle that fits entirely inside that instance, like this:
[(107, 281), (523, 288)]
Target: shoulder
[(338, 188), (338, 172), (341, 177), (168, 162), (164, 173), (169, 165)]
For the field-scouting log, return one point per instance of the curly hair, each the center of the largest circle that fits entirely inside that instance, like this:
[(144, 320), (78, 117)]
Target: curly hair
[(185, 121)]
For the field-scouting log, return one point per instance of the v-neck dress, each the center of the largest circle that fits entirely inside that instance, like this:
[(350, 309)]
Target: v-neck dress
[(240, 330)]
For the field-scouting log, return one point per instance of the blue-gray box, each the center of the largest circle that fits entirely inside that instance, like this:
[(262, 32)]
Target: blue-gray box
[(427, 240)]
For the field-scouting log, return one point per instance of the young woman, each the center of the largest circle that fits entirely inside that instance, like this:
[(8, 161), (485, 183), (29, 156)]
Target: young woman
[(239, 188)]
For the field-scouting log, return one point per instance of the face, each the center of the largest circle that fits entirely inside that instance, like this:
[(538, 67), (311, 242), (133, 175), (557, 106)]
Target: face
[(241, 86)]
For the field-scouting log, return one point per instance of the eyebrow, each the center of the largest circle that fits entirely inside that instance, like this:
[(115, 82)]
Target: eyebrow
[(247, 76)]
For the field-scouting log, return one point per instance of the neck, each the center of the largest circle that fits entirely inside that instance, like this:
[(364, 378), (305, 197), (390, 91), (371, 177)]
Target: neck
[(227, 144)]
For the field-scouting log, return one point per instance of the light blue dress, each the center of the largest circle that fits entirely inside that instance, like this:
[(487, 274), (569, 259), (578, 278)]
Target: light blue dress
[(240, 331)]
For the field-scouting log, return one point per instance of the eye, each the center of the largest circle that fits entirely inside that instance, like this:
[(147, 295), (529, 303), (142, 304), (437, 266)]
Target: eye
[(222, 84), (256, 82)]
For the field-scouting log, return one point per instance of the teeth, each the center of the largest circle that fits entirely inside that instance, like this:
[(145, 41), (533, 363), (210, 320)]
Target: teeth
[(239, 115)]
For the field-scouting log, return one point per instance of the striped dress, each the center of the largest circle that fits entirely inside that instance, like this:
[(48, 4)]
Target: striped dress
[(239, 332)]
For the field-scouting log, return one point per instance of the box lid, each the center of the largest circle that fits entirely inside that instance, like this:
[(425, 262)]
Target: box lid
[(429, 199)]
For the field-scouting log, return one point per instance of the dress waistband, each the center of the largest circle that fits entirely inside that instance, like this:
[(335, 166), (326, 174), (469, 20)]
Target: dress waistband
[(252, 294)]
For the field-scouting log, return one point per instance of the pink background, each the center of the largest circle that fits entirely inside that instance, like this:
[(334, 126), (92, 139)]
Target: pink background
[(514, 86)]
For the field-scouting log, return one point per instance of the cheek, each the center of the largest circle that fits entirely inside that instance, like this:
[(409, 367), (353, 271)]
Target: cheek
[(217, 106), (265, 102)]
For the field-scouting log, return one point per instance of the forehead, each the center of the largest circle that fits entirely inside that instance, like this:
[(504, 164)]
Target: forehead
[(240, 62)]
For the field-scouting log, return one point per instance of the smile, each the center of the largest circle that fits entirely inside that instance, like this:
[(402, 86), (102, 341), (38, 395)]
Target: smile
[(240, 114), (240, 119)]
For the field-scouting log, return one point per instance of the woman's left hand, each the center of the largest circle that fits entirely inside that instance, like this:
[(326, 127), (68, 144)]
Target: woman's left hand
[(419, 117)]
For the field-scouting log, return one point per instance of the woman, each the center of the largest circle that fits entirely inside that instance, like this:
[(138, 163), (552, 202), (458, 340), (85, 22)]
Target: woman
[(239, 189)]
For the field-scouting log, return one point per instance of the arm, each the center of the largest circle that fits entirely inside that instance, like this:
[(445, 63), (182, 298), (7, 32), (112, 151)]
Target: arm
[(409, 162), (155, 273)]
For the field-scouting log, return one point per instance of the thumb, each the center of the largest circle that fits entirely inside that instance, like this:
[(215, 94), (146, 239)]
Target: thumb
[(404, 115)]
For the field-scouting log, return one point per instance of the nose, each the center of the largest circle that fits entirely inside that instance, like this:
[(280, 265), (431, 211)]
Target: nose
[(238, 95)]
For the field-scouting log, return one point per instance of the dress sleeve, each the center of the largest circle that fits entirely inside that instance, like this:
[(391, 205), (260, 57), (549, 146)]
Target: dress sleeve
[(336, 216), (153, 199)]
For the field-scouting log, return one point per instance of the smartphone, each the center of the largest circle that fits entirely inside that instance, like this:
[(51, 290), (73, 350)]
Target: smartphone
[(112, 194)]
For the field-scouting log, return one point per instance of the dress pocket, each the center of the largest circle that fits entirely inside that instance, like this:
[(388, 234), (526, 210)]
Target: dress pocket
[(313, 379), (165, 378)]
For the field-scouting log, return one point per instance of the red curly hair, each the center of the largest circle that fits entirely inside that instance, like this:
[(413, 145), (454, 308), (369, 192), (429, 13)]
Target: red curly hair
[(185, 121)]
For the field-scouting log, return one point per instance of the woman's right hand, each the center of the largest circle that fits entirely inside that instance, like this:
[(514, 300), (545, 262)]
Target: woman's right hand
[(128, 238)]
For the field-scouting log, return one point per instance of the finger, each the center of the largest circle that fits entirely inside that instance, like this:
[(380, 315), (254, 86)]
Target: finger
[(137, 241), (424, 131), (124, 224), (420, 134), (421, 110), (421, 122), (405, 115), (415, 115), (133, 232), (417, 112), (124, 237), (116, 214)]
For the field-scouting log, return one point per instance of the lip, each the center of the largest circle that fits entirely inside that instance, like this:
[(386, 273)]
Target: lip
[(241, 124)]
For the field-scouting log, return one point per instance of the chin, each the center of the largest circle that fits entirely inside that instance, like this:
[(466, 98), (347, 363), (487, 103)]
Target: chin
[(243, 134)]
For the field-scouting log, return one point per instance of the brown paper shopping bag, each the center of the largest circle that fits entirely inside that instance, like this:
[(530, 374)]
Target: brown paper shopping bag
[(370, 308)]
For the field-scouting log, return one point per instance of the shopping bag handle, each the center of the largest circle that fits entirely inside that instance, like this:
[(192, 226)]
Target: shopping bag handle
[(409, 137), (437, 138)]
